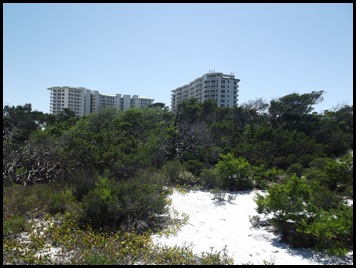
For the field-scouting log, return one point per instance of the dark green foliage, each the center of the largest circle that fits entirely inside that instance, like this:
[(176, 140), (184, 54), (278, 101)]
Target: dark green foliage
[(13, 225), (97, 259), (211, 178), (287, 200), (114, 203), (290, 109), (60, 202), (171, 170), (323, 197), (264, 177), (309, 215), (277, 147), (296, 169), (187, 179), (216, 258), (336, 175), (34, 201), (100, 206), (138, 151), (330, 229), (235, 173), (20, 121), (82, 180), (195, 167), (336, 131)]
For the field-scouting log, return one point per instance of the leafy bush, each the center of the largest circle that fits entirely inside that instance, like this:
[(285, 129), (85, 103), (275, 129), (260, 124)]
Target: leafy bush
[(35, 200), (297, 169), (175, 255), (82, 180), (308, 216), (210, 178), (330, 172), (60, 201), (287, 200), (195, 167), (235, 173), (331, 230), (216, 258), (13, 225), (186, 178), (263, 177), (171, 170), (132, 203), (97, 259), (100, 205)]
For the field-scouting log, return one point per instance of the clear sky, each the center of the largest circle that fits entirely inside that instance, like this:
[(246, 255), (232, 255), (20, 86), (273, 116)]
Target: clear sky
[(151, 49)]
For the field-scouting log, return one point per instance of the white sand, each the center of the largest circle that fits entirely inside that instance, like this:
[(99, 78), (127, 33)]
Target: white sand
[(217, 224)]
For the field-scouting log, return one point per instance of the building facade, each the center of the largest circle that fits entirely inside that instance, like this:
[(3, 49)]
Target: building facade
[(223, 88), (84, 101)]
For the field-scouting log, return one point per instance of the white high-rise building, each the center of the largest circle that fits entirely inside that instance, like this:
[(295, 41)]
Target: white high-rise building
[(84, 101), (223, 88)]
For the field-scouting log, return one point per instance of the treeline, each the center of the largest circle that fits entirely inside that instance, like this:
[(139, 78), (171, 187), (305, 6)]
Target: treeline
[(116, 164)]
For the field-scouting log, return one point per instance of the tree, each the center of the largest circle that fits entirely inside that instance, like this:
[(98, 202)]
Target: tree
[(291, 108)]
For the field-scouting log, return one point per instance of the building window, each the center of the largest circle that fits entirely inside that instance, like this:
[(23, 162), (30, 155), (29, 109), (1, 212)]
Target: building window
[(222, 81), (223, 91), (222, 86)]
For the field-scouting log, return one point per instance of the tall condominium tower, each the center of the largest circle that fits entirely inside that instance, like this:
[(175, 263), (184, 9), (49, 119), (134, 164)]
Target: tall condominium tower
[(84, 101), (223, 88)]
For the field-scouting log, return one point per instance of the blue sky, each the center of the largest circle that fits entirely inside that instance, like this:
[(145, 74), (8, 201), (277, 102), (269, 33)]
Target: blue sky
[(151, 49)]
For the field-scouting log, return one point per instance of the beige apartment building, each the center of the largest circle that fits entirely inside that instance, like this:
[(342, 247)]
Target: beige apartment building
[(223, 88), (84, 101)]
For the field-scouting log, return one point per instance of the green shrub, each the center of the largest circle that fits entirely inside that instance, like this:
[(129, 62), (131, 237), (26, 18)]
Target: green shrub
[(186, 178), (82, 181), (264, 178), (211, 178), (349, 192), (14, 225), (330, 172), (60, 201), (132, 203), (235, 173), (195, 167), (97, 259), (100, 205), (175, 255), (309, 215), (216, 258), (297, 169), (28, 201), (171, 170), (323, 197), (331, 230)]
